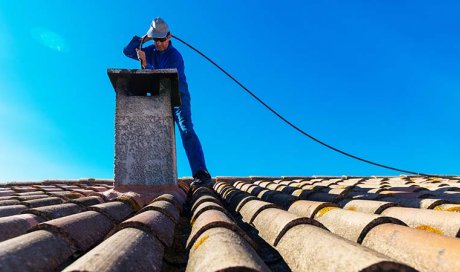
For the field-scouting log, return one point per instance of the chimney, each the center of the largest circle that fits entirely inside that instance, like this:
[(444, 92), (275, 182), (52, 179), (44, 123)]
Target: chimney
[(145, 151)]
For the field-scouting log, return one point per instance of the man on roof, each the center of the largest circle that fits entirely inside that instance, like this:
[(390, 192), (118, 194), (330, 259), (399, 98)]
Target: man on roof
[(162, 55)]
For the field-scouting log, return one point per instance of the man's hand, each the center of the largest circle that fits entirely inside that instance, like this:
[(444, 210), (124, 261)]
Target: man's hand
[(141, 57)]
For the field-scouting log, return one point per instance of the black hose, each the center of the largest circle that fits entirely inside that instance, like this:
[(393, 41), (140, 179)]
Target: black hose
[(297, 128), (140, 48)]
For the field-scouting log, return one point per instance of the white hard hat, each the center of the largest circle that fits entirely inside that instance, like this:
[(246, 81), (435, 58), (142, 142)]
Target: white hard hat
[(158, 29)]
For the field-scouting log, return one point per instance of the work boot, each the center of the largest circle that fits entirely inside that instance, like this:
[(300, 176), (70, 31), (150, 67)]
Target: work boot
[(201, 179)]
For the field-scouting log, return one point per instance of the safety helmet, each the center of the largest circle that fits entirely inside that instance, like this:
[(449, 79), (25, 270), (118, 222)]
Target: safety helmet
[(158, 28)]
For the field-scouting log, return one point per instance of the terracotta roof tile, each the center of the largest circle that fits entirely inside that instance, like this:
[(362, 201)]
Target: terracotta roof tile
[(206, 206), (255, 190), (98, 188), (214, 227), (7, 193), (55, 211), (153, 222), (29, 197), (83, 230), (176, 201), (366, 206), (165, 207), (234, 253), (135, 251), (351, 225), (422, 203), (252, 208), (360, 195), (34, 193), (43, 202), (306, 208), (281, 199), (318, 196), (288, 189), (423, 250), (202, 191), (11, 210), (202, 199), (67, 187), (87, 201), (265, 193), (448, 207), (51, 190), (273, 223), (35, 251), (238, 200), (211, 219), (9, 202), (441, 222), (85, 192), (116, 211), (15, 225), (22, 189), (306, 247)]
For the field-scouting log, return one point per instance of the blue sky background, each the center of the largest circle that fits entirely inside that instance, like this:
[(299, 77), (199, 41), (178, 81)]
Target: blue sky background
[(378, 79)]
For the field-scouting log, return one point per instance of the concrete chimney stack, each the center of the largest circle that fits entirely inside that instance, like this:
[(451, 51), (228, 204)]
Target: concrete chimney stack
[(145, 151)]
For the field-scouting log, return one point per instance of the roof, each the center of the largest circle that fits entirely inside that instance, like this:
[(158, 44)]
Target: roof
[(242, 223)]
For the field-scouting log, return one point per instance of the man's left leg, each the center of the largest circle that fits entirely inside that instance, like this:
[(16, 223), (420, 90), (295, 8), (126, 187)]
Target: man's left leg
[(190, 141)]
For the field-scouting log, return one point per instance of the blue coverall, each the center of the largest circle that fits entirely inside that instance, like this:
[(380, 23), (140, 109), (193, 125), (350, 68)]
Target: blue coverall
[(167, 59)]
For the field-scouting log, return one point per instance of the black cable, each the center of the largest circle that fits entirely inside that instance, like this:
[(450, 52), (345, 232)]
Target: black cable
[(294, 126)]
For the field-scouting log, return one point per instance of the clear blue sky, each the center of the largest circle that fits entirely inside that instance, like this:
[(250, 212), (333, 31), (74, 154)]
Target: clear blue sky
[(378, 79)]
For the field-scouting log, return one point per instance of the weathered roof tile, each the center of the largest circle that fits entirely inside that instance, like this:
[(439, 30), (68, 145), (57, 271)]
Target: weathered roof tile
[(43, 202), (153, 222), (30, 197), (448, 207), (306, 208), (11, 210), (55, 211), (87, 201), (178, 202), (211, 219), (35, 251), (116, 211), (252, 208), (7, 193), (273, 223), (366, 206), (15, 225), (352, 225), (206, 206), (423, 250), (83, 230), (440, 222), (309, 248), (135, 251), (9, 202), (202, 199), (233, 254), (164, 207), (422, 203)]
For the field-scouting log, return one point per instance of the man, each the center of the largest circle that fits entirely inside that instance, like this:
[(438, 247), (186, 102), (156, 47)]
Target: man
[(162, 55)]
